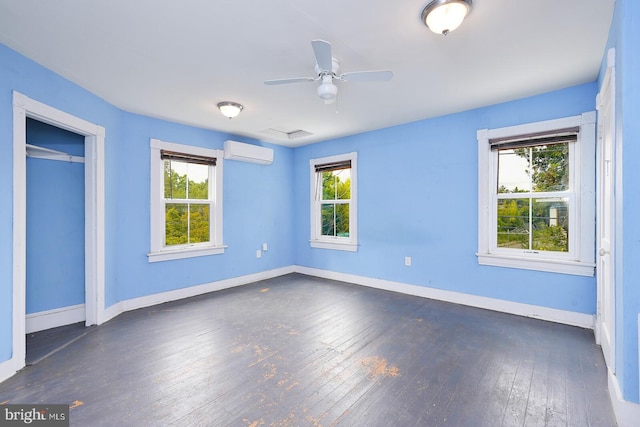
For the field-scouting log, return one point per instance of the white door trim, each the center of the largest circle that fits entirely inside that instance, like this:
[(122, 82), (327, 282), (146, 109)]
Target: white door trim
[(605, 319), (94, 135)]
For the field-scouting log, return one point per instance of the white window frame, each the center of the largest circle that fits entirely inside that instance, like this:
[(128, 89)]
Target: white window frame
[(160, 252), (580, 258), (334, 242)]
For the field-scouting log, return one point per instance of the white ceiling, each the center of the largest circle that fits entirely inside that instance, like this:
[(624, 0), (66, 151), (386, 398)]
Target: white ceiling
[(176, 60)]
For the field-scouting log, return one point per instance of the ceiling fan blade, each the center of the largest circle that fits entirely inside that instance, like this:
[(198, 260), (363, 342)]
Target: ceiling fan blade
[(367, 76), (322, 51), (292, 80)]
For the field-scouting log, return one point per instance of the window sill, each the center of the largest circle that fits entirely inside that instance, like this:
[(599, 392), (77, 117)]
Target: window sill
[(338, 246), (549, 265), (168, 255)]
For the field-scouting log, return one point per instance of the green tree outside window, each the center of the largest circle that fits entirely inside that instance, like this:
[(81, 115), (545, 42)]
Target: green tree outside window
[(526, 221), (187, 219), (336, 193)]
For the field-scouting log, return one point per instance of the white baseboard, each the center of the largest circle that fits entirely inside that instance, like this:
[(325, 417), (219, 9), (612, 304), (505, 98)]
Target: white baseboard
[(9, 368), (149, 300), (53, 318), (520, 309), (627, 413), (527, 310)]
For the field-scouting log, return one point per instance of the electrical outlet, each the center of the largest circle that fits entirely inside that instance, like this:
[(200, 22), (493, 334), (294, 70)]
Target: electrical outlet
[(264, 247), (407, 261), (258, 253)]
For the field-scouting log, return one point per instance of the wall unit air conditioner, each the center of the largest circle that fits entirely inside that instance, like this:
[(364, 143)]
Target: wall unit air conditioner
[(240, 151)]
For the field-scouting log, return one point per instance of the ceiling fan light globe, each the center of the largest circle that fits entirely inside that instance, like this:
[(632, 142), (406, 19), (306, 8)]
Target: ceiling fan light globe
[(442, 17), (327, 91)]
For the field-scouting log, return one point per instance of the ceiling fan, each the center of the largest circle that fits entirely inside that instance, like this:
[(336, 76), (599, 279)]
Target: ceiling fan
[(327, 69)]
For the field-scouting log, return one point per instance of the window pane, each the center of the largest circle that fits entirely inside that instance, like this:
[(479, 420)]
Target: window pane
[(550, 167), (538, 168), (176, 224), (550, 223), (328, 186), (175, 179), (336, 185), (328, 220), (513, 223), (198, 181), (198, 223), (343, 184), (342, 220), (534, 224), (513, 171), (335, 219)]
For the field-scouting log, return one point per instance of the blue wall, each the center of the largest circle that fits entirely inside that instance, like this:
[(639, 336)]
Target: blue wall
[(418, 197), (55, 221), (257, 209), (630, 78), (258, 200), (624, 36)]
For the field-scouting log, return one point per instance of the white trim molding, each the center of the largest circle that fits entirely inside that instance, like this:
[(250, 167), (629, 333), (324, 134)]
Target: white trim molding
[(548, 265), (94, 138), (9, 368), (53, 318), (608, 202), (317, 240), (192, 291), (527, 310), (627, 413), (158, 250), (579, 260)]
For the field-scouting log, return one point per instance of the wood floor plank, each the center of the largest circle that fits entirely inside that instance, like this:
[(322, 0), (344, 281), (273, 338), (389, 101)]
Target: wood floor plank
[(304, 351)]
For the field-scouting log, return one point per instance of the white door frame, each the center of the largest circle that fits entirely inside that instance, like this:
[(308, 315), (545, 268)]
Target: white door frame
[(24, 107), (605, 329)]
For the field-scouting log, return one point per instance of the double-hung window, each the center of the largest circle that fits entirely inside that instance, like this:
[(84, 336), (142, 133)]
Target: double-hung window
[(186, 201), (536, 196), (334, 202)]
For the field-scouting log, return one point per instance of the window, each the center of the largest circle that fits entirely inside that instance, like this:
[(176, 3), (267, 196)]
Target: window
[(536, 196), (186, 201), (334, 202)]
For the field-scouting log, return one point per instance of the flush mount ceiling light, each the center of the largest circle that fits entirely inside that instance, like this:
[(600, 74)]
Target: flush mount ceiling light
[(230, 109), (444, 16)]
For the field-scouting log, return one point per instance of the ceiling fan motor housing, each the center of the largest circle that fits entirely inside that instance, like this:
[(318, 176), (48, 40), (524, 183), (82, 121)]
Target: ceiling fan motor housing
[(327, 90)]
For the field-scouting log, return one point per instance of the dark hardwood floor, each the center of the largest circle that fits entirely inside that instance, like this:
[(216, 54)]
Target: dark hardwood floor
[(303, 351), (43, 344)]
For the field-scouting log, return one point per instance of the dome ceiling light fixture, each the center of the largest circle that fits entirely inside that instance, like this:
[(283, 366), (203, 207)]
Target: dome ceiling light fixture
[(230, 109), (444, 16)]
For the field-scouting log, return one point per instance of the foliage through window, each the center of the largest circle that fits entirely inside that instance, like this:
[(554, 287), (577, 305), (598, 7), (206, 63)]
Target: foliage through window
[(533, 197), (333, 202), (187, 202), (336, 197)]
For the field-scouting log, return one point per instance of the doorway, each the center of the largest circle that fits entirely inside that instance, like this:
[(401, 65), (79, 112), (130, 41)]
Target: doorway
[(25, 108), (605, 275), (55, 251)]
